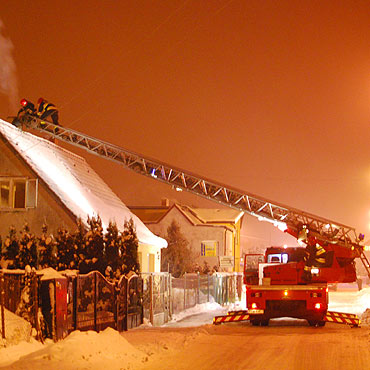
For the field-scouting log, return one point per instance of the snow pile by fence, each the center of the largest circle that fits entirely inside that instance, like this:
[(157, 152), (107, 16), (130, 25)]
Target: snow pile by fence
[(90, 350), (16, 329)]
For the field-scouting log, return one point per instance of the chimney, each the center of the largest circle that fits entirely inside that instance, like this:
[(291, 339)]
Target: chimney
[(165, 202)]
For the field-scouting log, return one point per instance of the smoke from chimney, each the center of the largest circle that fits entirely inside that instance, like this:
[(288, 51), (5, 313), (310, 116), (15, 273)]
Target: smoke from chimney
[(8, 76)]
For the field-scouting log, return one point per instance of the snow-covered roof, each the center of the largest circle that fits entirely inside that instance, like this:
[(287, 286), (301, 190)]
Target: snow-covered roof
[(76, 184), (214, 215), (197, 216)]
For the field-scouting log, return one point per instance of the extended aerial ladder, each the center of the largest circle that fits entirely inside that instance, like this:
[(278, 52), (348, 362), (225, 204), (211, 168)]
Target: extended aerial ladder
[(286, 218)]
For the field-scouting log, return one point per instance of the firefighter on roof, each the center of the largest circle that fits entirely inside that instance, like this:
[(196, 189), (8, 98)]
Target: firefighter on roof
[(27, 108), (47, 110)]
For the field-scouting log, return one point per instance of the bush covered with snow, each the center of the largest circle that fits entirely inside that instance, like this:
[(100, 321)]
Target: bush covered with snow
[(85, 249)]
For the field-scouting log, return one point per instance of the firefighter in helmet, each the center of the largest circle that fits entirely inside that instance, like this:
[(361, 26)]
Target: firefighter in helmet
[(27, 108), (316, 256), (47, 110)]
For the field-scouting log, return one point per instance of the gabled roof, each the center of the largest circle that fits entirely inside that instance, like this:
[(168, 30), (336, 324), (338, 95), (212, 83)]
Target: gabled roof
[(74, 182), (214, 215), (149, 214), (197, 216)]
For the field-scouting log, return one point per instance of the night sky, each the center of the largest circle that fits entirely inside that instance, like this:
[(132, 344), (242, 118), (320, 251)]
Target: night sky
[(272, 97)]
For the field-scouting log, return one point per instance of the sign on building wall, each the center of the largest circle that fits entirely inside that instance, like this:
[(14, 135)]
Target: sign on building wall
[(208, 248), (226, 261)]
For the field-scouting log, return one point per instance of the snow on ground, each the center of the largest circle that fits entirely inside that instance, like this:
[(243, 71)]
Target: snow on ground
[(109, 349), (83, 350), (17, 329), (349, 300)]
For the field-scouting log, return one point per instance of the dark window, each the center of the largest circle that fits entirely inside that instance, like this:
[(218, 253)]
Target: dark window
[(18, 193), (19, 190)]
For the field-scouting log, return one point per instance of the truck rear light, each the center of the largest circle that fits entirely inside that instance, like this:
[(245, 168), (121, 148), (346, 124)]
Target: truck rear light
[(317, 306), (254, 305), (285, 293)]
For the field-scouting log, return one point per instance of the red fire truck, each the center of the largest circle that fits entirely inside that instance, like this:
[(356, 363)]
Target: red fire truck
[(293, 282), (275, 288)]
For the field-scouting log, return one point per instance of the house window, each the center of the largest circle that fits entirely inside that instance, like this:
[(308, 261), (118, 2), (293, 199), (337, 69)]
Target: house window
[(18, 193), (19, 190), (208, 248)]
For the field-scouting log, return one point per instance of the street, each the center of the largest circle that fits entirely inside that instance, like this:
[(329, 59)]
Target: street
[(285, 344)]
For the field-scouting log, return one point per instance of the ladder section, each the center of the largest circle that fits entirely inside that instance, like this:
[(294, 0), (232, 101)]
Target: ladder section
[(365, 262), (280, 215)]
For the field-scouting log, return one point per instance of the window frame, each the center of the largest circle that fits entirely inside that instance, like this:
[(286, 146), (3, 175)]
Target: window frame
[(206, 247), (30, 193)]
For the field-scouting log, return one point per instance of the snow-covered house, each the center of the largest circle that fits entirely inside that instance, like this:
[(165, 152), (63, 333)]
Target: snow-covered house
[(40, 182), (213, 234)]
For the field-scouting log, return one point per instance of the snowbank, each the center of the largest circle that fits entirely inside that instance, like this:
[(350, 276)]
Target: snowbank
[(350, 301), (84, 350), (16, 329), (199, 308), (11, 354)]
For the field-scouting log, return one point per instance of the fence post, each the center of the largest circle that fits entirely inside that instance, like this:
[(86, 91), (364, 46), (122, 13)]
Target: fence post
[(142, 300), (235, 287), (162, 287), (115, 297), (127, 298), (2, 303), (214, 281), (35, 306), (227, 289), (151, 299), (216, 289), (207, 287), (170, 302), (185, 291), (95, 302), (74, 284)]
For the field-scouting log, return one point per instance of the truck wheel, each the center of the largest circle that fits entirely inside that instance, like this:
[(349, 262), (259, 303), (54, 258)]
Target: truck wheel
[(312, 322), (316, 323), (260, 322)]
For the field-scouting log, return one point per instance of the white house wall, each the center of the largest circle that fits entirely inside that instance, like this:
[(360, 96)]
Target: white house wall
[(194, 235), (145, 251)]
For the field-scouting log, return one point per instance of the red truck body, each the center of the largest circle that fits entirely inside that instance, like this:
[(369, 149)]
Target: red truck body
[(276, 287), (265, 302)]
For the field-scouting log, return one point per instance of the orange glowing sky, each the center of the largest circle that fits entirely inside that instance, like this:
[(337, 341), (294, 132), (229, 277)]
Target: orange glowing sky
[(272, 97)]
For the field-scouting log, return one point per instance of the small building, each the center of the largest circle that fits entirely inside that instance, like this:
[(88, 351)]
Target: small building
[(40, 182), (213, 234)]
